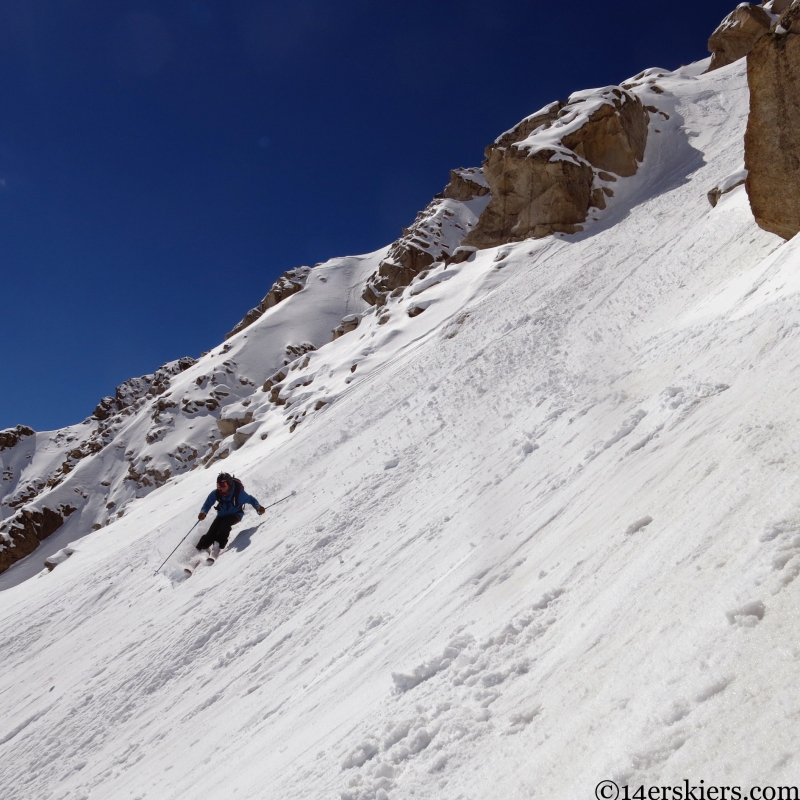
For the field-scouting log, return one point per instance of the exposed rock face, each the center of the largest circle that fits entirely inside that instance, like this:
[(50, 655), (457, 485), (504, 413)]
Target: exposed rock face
[(233, 421), (466, 184), (544, 183), (12, 436), (23, 532), (28, 484), (772, 139), (288, 284), (523, 129), (614, 137), (407, 258), (737, 33), (349, 324), (533, 196), (244, 433), (294, 351), (436, 233), (135, 389), (778, 6)]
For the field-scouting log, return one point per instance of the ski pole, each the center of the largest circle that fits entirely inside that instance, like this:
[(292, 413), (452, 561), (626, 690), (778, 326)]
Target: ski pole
[(277, 501), (177, 546)]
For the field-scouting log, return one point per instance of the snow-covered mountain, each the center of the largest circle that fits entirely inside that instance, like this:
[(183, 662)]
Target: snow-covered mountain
[(546, 526)]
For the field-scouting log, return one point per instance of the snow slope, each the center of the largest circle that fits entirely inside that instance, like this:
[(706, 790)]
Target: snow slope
[(167, 421), (545, 533)]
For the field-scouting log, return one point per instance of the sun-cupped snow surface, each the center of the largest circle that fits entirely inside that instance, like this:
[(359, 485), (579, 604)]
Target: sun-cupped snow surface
[(546, 532)]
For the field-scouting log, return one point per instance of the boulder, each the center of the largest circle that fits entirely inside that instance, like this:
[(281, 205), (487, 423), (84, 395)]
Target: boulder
[(229, 424), (62, 555), (462, 254), (737, 33), (349, 324), (772, 138), (245, 432), (726, 185), (544, 183)]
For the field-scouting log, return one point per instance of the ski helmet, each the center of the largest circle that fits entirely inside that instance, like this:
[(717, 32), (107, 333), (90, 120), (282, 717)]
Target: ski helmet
[(224, 477)]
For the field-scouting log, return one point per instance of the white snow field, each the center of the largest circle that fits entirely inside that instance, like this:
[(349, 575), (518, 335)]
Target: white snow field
[(545, 533)]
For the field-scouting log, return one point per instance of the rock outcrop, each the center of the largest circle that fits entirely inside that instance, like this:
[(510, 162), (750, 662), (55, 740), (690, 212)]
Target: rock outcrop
[(13, 436), (236, 418), (22, 533), (546, 182), (524, 128), (127, 394), (737, 34), (349, 324), (777, 6), (435, 234), (772, 138), (534, 196), (726, 185), (288, 284), (465, 184), (36, 487)]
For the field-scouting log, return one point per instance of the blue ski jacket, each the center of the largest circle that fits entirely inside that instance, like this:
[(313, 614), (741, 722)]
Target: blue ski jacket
[(226, 506)]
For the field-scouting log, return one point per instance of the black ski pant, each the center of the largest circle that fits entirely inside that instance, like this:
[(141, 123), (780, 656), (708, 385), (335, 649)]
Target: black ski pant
[(219, 531)]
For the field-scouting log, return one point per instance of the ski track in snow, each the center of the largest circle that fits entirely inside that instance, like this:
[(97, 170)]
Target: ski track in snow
[(548, 535)]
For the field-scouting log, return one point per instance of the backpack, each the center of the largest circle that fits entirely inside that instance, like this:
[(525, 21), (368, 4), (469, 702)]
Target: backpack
[(234, 498)]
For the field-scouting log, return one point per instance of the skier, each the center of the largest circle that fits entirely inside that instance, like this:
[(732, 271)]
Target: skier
[(230, 498)]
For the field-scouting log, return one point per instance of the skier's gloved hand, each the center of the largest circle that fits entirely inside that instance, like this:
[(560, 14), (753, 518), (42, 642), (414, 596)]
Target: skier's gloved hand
[(201, 516), (260, 510)]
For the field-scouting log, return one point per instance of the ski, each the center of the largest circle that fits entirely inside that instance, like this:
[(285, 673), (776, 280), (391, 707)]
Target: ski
[(192, 566), (206, 560)]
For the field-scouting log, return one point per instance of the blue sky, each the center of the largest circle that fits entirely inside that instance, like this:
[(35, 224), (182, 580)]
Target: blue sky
[(161, 163)]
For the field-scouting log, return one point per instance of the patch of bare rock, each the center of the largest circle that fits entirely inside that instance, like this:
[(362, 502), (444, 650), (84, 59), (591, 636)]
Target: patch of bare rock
[(32, 521), (772, 138), (134, 389), (23, 532), (737, 34), (349, 323), (13, 436), (288, 284), (726, 185), (544, 173), (435, 234)]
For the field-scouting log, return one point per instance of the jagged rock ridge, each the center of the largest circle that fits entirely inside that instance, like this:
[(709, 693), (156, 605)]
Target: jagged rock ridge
[(434, 235)]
